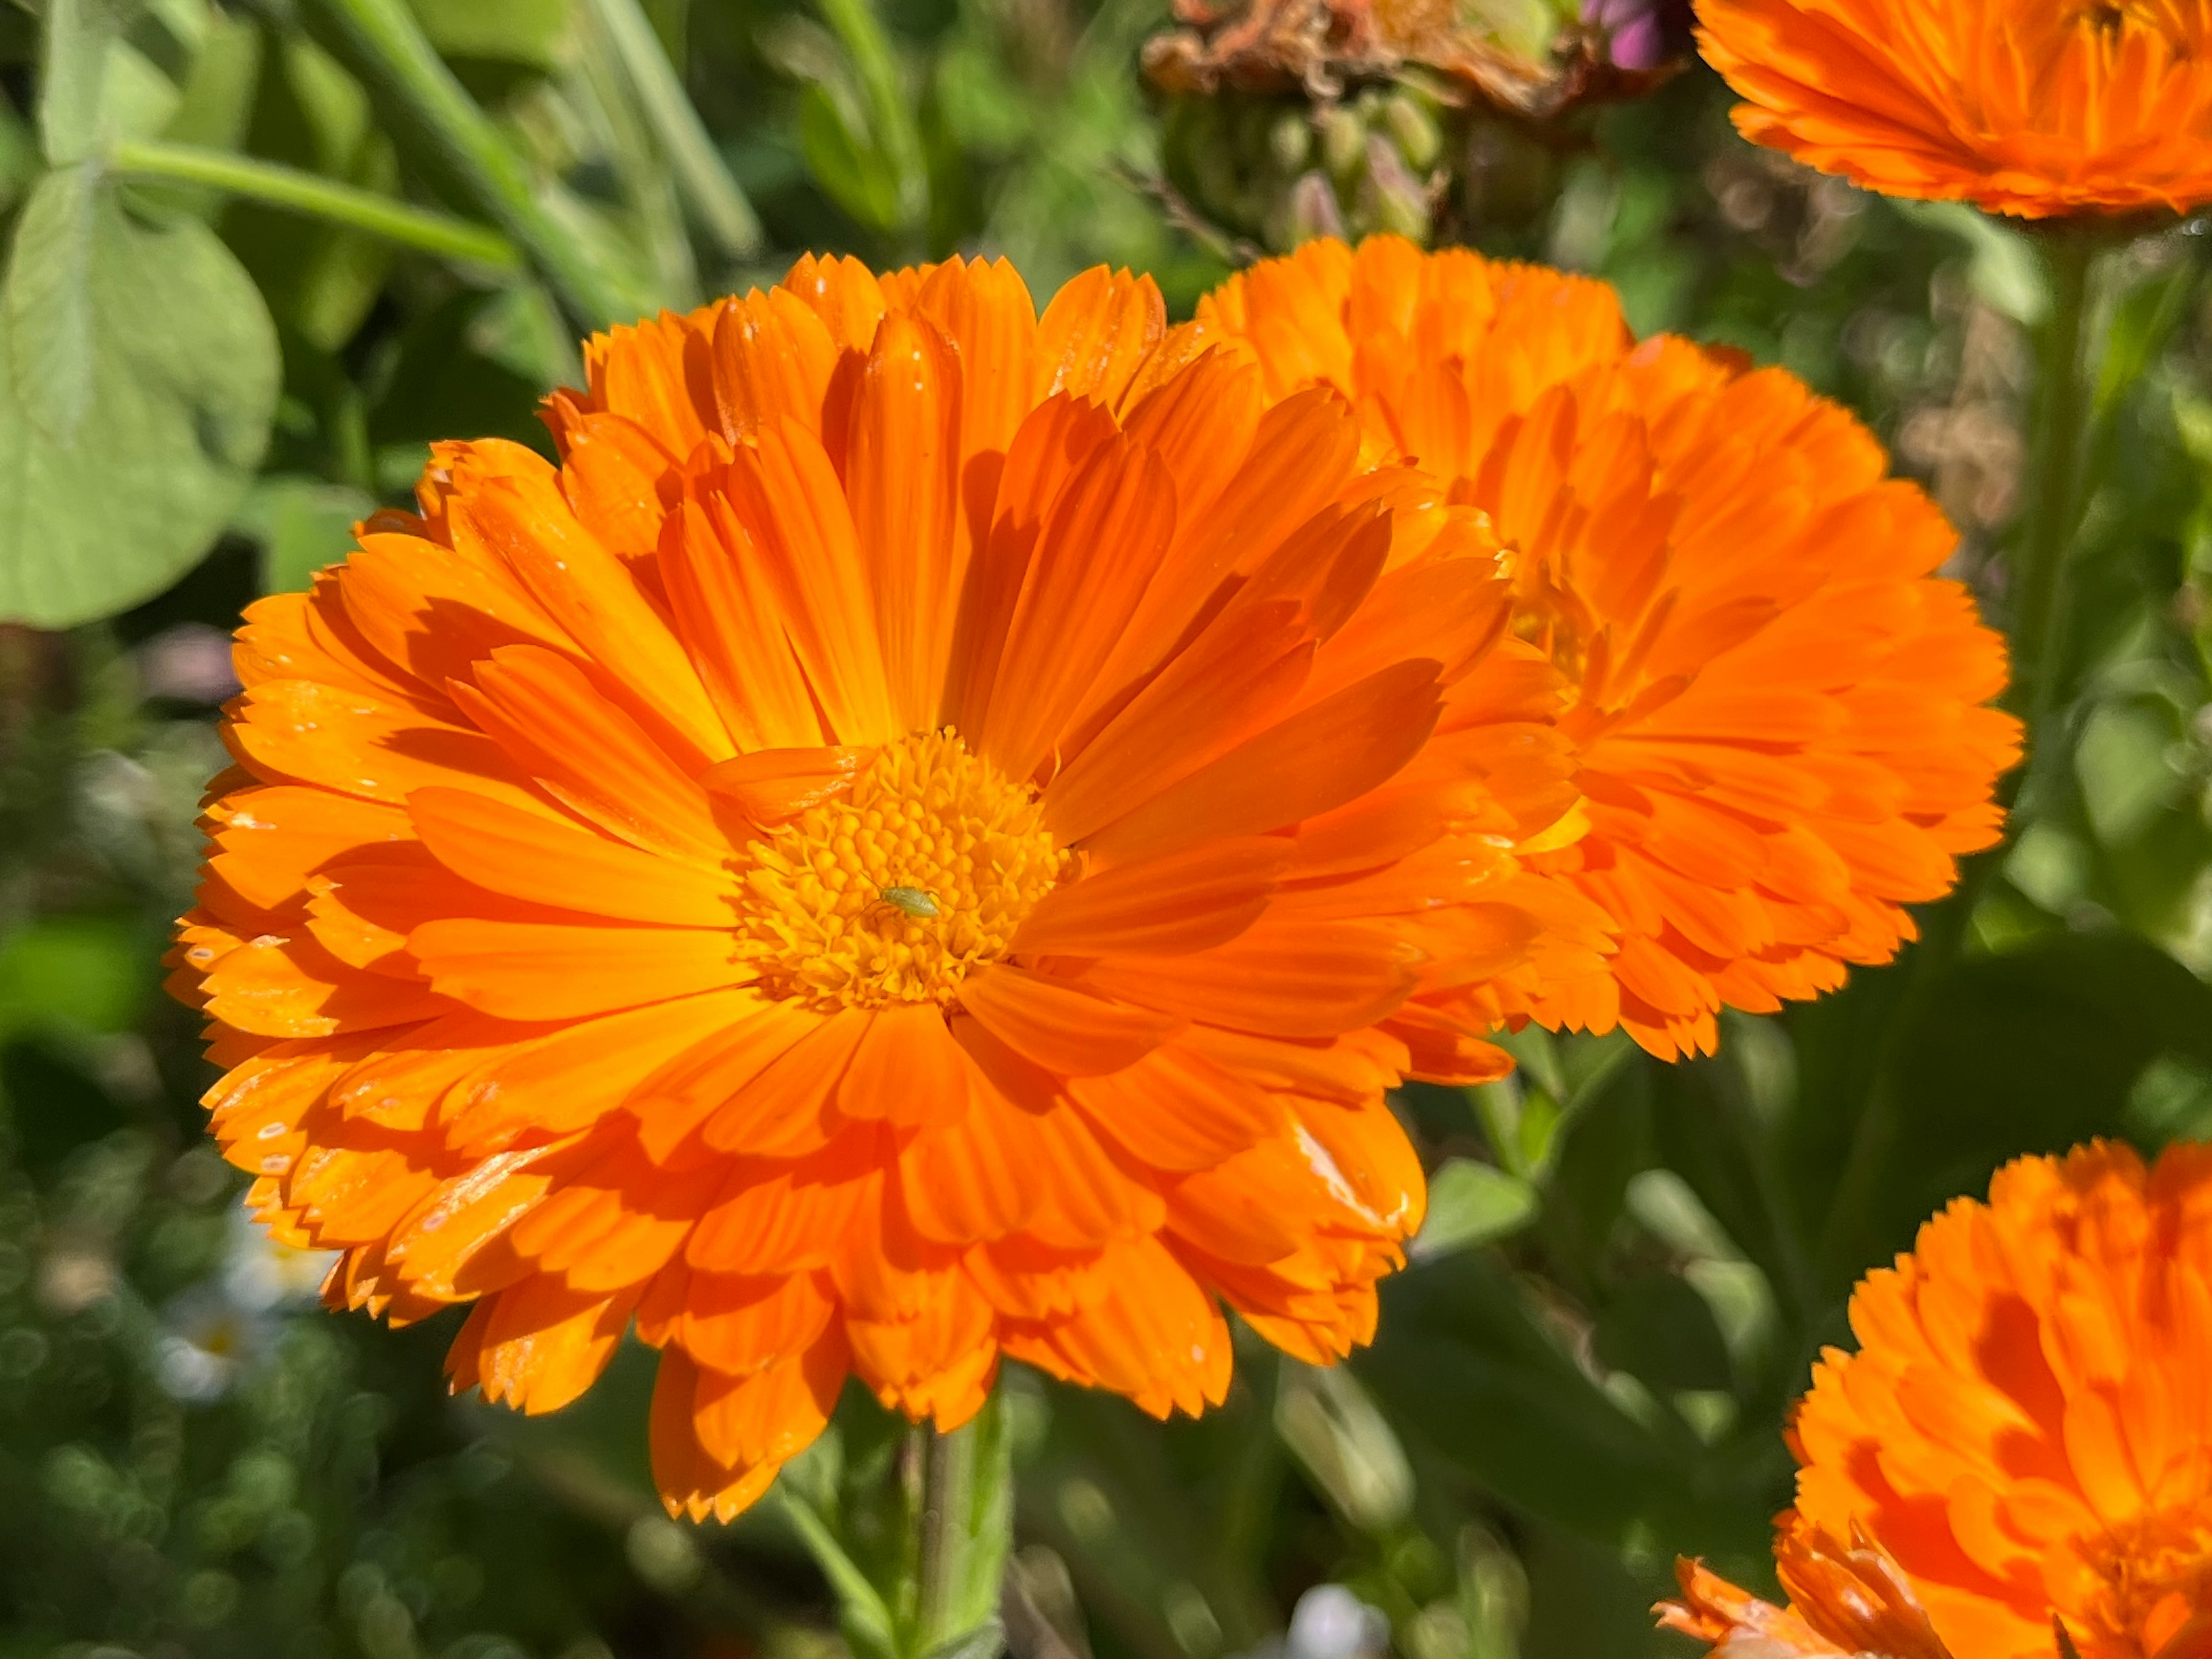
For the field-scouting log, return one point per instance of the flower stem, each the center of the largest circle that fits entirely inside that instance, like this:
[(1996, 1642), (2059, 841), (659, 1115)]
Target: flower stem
[(966, 1524), (389, 48), (2067, 377), (276, 185)]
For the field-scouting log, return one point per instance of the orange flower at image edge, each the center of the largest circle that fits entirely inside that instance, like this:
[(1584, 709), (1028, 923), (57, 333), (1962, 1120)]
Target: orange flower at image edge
[(926, 837), (2022, 1445), (2033, 107), (1774, 704)]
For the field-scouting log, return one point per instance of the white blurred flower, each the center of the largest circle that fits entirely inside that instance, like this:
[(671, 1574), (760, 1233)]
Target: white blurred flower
[(209, 1342), (263, 1275), (1330, 1622), (217, 1332)]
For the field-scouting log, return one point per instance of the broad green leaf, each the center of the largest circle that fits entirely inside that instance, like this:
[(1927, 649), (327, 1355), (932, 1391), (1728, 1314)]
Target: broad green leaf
[(79, 39), (1708, 1133), (1462, 1362), (136, 100), (183, 371), (2120, 759), (216, 104), (19, 157), (1472, 1204), (1659, 1330), (2034, 1051), (45, 305)]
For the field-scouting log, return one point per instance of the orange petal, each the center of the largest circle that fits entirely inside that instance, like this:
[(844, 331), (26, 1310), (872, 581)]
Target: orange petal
[(549, 858), (554, 720), (1291, 980), (562, 970), (773, 786), (1315, 760), (1159, 907), (1068, 1031)]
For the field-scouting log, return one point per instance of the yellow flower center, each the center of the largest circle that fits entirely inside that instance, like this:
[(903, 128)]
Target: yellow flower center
[(959, 849)]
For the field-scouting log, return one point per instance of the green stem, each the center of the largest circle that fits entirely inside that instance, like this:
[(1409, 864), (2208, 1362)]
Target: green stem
[(389, 47), (948, 1483), (2054, 508), (966, 1525), (857, 27), (715, 196), (279, 186)]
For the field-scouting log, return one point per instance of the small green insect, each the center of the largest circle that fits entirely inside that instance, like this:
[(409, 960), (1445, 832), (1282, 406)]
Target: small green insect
[(909, 901)]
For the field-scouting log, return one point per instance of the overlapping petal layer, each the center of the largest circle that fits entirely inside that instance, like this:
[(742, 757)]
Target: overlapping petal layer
[(2024, 1435), (546, 930), (1777, 705), (2033, 107)]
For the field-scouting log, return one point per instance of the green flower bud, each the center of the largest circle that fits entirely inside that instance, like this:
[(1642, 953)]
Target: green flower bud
[(1413, 129), (1343, 142), (1290, 140)]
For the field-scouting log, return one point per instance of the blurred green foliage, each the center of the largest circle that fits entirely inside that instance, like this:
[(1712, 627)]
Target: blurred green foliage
[(1629, 1266)]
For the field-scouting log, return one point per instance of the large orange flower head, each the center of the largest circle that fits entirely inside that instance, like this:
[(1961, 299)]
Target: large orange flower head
[(2033, 107), (1777, 705), (2023, 1437), (925, 838)]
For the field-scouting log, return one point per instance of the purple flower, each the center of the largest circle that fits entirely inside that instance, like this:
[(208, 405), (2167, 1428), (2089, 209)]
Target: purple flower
[(1641, 34)]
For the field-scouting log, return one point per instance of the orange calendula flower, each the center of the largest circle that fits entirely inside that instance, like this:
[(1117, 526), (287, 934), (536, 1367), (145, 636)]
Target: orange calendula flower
[(1844, 1603), (925, 838), (1777, 704), (2021, 1448), (2033, 107)]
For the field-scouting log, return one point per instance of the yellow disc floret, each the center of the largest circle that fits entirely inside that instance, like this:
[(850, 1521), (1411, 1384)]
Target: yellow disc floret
[(959, 848)]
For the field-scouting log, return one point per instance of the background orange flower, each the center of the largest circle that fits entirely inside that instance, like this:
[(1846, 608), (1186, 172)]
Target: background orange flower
[(926, 836), (2024, 106), (1843, 1602), (1776, 703), (2026, 1431)]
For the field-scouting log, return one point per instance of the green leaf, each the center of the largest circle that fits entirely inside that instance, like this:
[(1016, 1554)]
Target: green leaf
[(216, 98), (845, 164), (1472, 1204), (19, 156), (46, 307), (527, 32), (85, 973), (1657, 1329), (2006, 270), (79, 40), (183, 371), (1463, 1362), (1346, 1446), (2034, 1051)]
